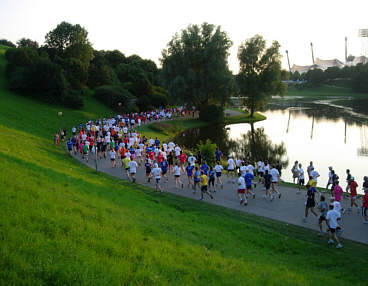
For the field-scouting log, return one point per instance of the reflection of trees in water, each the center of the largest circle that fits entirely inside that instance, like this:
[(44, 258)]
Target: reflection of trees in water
[(255, 145), (216, 133), (325, 112)]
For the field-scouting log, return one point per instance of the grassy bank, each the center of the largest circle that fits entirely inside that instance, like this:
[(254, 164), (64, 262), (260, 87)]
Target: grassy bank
[(245, 118), (63, 224), (323, 91)]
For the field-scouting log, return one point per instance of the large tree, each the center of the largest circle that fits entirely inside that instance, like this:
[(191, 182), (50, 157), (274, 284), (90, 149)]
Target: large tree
[(195, 68), (260, 72), (27, 43)]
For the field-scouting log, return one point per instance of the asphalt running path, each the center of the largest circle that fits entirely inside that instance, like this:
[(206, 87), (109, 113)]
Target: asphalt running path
[(289, 209)]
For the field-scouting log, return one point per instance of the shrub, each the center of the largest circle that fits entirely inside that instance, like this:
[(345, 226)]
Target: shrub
[(212, 113), (112, 95), (208, 151)]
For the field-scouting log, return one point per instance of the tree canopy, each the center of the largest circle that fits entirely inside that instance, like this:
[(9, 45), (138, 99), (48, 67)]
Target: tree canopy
[(27, 43), (259, 76), (195, 68)]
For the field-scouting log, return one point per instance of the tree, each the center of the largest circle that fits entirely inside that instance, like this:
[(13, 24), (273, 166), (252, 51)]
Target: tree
[(315, 77), (65, 35), (7, 43), (114, 58), (27, 43), (194, 66), (260, 72)]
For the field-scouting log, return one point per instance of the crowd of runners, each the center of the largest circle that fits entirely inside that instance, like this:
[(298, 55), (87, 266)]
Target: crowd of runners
[(117, 139)]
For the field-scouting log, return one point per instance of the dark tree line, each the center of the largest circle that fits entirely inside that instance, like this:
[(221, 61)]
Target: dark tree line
[(355, 76), (66, 67)]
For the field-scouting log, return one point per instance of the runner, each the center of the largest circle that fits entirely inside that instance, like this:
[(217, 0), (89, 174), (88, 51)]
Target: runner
[(191, 160), (156, 173), (204, 167), (260, 170), (248, 177), (323, 208), (133, 169), (148, 167), (218, 154), (69, 146), (197, 179), (365, 205), (295, 172), (231, 168), (275, 178), (267, 183), (112, 157), (218, 170), (126, 161), (310, 204), (177, 176), (182, 160), (85, 151), (189, 170), (241, 190), (204, 185), (170, 160), (300, 178), (309, 169), (348, 180), (211, 181), (332, 217), (330, 175), (164, 165), (353, 195)]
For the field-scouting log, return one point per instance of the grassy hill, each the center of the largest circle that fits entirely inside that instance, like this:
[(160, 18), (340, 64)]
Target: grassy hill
[(63, 224)]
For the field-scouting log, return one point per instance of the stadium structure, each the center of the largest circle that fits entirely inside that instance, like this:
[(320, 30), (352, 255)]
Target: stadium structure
[(325, 64)]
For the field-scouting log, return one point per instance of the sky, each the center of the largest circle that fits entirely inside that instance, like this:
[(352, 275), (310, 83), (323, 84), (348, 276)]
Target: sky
[(144, 27)]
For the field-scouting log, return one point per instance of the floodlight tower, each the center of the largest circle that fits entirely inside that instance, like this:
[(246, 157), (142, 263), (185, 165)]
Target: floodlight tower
[(287, 55), (312, 52), (346, 49), (363, 34)]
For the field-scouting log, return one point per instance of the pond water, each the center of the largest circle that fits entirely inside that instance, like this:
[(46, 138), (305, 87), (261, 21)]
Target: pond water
[(329, 132)]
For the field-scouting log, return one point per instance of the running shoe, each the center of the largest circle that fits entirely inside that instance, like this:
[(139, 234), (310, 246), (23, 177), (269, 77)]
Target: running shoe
[(279, 195), (339, 246), (254, 196), (330, 241)]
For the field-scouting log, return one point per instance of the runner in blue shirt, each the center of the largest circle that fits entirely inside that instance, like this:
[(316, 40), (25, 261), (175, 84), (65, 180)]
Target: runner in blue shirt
[(157, 142), (205, 168), (197, 179), (69, 145), (248, 182), (218, 154), (189, 169), (164, 165)]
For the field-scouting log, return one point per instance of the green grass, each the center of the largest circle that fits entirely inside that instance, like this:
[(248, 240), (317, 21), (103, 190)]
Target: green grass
[(326, 90), (63, 224), (245, 118)]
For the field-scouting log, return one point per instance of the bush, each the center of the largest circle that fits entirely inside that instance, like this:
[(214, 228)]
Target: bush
[(208, 151), (7, 43), (212, 113), (359, 80), (112, 95)]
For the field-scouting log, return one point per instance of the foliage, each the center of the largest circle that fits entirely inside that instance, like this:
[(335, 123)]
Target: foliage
[(359, 81), (7, 43), (27, 43), (66, 35), (260, 72), (194, 66), (99, 72), (315, 77), (112, 95), (208, 151), (211, 113)]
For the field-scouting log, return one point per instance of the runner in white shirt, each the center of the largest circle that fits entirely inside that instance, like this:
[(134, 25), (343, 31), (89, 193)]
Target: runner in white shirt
[(151, 141), (112, 157), (260, 170), (243, 169), (156, 172), (231, 167), (314, 174), (125, 130), (133, 169), (192, 160), (301, 179), (241, 190), (177, 176), (332, 217), (177, 150), (171, 146), (275, 178), (164, 145), (251, 171), (218, 170), (138, 153)]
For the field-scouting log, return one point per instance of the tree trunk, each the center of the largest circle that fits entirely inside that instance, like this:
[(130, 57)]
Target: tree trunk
[(251, 111)]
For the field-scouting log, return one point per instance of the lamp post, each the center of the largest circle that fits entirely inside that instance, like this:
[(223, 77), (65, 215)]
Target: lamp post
[(95, 144)]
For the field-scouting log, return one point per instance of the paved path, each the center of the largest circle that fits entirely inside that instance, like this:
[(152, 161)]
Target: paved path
[(289, 209)]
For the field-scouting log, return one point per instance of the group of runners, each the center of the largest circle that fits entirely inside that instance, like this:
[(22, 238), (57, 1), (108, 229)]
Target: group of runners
[(117, 139)]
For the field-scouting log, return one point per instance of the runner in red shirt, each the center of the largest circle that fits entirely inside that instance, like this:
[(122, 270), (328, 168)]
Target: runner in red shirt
[(182, 159), (353, 194)]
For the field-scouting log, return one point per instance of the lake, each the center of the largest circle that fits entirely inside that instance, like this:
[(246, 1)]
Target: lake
[(332, 131)]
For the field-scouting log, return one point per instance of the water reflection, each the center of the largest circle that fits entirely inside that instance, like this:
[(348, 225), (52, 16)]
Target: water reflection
[(255, 145)]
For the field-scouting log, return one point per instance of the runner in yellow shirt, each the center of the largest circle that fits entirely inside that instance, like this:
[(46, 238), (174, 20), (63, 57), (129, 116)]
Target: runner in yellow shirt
[(204, 185)]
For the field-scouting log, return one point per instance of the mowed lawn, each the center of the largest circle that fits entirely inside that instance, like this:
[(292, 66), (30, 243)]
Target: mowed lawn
[(63, 224)]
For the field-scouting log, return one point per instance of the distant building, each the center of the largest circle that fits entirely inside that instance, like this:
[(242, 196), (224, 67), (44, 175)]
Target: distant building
[(325, 64)]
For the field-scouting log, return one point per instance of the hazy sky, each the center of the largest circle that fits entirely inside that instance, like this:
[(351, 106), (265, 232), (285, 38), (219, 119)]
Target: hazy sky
[(144, 27)]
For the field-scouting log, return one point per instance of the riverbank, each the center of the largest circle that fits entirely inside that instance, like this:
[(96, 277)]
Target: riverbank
[(323, 91)]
